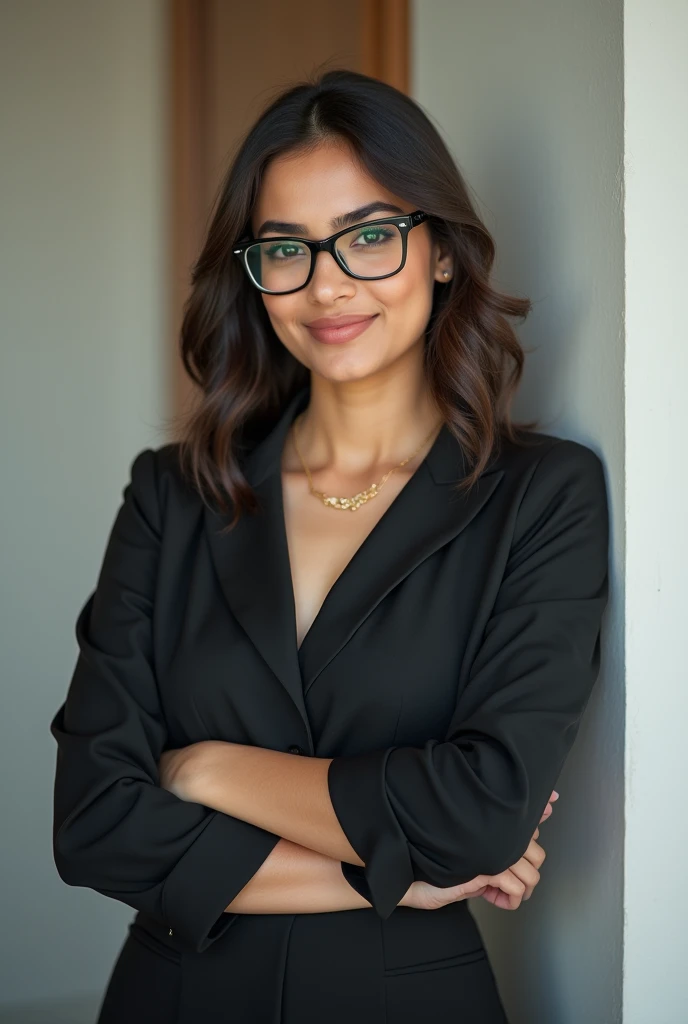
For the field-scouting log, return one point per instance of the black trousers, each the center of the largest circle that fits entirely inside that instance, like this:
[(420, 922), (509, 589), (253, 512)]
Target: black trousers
[(305, 969)]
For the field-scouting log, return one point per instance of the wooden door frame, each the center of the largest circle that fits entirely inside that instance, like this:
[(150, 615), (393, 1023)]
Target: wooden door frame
[(385, 41)]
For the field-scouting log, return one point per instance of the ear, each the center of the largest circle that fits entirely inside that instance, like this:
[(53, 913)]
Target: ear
[(442, 264)]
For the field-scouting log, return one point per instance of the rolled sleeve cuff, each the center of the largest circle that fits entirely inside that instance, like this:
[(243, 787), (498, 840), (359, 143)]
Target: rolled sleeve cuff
[(357, 790), (222, 860)]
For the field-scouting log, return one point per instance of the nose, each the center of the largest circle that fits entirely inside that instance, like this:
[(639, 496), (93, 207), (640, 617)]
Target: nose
[(329, 279)]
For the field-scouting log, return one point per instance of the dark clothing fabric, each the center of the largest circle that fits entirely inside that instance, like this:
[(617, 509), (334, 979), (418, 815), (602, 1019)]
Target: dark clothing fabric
[(446, 673), (337, 968)]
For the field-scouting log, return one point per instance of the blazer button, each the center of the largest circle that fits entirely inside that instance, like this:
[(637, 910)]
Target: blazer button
[(295, 749)]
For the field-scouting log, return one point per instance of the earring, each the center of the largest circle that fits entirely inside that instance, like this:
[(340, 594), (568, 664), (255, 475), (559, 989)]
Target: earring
[(445, 273)]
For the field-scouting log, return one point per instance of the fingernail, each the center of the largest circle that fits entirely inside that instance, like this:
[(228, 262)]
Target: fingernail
[(554, 792)]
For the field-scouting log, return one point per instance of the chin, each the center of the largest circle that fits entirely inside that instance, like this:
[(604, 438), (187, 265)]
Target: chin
[(342, 370)]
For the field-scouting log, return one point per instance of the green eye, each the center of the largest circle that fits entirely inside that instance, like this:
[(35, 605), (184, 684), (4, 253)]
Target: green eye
[(375, 236), (283, 250)]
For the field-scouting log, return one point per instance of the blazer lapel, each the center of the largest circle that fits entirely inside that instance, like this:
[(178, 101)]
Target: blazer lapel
[(252, 561)]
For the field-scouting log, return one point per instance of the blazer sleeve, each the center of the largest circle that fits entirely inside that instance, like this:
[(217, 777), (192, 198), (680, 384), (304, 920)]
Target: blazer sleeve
[(115, 829), (468, 804)]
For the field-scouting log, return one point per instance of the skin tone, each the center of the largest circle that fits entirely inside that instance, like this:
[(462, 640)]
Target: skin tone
[(369, 409)]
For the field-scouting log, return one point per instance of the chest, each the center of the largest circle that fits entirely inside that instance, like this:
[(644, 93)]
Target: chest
[(322, 541)]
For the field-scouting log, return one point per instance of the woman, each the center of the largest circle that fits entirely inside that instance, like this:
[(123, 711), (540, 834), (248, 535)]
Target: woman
[(431, 655)]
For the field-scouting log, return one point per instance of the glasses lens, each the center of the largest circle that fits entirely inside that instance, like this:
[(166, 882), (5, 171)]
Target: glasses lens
[(279, 266), (371, 250)]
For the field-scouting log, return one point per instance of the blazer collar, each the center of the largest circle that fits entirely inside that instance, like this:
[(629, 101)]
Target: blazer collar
[(252, 560)]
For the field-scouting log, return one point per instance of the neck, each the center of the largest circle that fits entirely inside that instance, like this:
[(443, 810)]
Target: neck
[(357, 428)]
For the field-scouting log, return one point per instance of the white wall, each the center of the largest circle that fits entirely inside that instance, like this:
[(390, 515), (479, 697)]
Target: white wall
[(656, 900), (529, 96), (82, 389)]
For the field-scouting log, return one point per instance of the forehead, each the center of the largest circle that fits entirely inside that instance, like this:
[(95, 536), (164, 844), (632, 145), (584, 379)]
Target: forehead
[(312, 187)]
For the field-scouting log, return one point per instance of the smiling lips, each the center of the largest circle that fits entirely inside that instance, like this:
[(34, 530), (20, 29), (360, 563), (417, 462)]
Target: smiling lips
[(334, 329)]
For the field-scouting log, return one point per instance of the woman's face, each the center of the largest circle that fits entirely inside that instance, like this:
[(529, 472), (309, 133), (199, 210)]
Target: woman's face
[(310, 189)]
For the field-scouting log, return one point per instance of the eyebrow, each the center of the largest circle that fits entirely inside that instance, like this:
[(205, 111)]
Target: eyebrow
[(342, 221)]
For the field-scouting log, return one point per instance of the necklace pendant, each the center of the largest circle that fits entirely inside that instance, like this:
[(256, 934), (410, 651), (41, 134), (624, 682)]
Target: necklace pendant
[(351, 504)]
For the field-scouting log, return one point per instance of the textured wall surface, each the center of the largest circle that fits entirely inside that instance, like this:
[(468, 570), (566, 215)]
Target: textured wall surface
[(82, 388), (529, 97)]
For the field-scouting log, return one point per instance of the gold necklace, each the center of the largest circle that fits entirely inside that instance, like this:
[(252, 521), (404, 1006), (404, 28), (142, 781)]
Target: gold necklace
[(358, 499)]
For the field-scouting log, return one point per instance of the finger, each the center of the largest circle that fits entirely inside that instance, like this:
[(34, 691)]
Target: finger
[(471, 888), (492, 893), (528, 868), (528, 874), (535, 854), (511, 887), (478, 892), (504, 901), (462, 891)]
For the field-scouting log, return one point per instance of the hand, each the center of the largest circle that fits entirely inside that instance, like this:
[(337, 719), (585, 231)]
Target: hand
[(505, 890), (527, 869)]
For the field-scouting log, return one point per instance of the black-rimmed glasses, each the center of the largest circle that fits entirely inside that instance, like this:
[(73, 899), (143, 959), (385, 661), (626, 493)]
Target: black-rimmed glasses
[(368, 251)]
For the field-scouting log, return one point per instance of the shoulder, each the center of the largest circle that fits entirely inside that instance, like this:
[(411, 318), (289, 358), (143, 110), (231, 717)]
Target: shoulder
[(556, 482), (537, 459), (157, 479), (166, 463), (152, 466)]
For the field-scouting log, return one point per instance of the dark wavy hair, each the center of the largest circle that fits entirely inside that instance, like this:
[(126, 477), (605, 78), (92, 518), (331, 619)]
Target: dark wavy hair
[(473, 359)]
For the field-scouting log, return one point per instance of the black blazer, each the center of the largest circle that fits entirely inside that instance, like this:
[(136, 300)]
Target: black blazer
[(446, 673)]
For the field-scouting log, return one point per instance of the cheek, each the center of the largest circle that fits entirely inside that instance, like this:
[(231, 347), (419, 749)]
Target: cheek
[(280, 309), (285, 314), (406, 293), (407, 301)]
